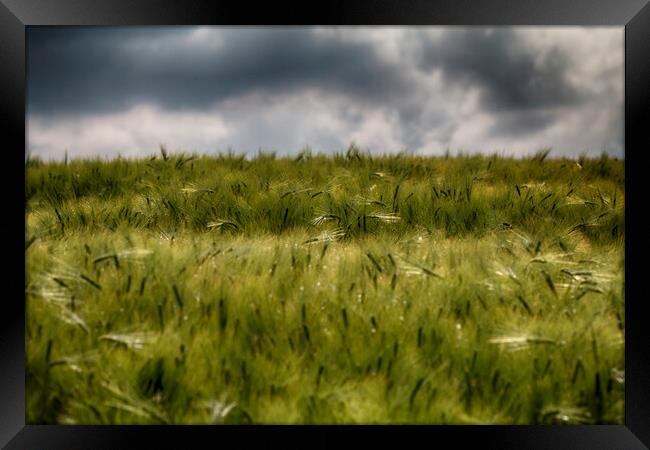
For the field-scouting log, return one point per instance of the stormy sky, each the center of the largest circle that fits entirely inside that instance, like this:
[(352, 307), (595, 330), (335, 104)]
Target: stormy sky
[(104, 91)]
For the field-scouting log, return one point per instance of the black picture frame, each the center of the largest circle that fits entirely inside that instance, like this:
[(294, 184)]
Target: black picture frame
[(16, 15)]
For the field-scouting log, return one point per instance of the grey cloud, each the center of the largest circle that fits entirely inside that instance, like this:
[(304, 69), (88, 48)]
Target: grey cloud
[(79, 71), (285, 87), (515, 124), (505, 70)]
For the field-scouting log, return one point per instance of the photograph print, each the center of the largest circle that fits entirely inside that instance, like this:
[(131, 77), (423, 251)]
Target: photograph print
[(324, 225)]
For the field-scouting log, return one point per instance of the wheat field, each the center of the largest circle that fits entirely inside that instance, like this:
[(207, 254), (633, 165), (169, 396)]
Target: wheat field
[(349, 288)]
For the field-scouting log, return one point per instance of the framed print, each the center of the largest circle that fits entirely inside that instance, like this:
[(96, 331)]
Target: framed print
[(287, 218)]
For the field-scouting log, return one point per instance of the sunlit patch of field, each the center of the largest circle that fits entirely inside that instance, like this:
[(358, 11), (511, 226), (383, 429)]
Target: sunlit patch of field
[(341, 289)]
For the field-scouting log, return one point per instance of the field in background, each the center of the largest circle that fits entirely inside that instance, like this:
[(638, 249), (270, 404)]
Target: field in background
[(340, 289)]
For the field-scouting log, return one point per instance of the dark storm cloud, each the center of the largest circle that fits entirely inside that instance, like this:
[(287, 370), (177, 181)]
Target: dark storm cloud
[(93, 70), (503, 68), (80, 69), (516, 124)]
